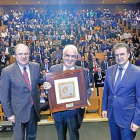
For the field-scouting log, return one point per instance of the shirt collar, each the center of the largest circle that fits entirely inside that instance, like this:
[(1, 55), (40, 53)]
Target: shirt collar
[(64, 68), (125, 66), (21, 67)]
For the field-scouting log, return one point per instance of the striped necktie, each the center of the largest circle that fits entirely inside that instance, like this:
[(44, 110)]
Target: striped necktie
[(25, 75)]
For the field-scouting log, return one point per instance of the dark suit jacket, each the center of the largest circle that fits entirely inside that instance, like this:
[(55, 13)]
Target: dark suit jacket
[(54, 57), (37, 58), (103, 65), (6, 59), (10, 50), (65, 42), (43, 66), (125, 103), (1, 67), (134, 55), (78, 63), (137, 62), (110, 56), (57, 116), (96, 79), (43, 56), (90, 65), (16, 96)]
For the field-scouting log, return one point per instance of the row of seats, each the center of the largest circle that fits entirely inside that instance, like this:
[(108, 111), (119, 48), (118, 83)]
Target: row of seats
[(95, 102)]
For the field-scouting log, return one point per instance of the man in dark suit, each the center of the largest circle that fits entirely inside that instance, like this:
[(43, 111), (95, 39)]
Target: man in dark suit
[(105, 64), (132, 54), (104, 36), (19, 94), (44, 103), (66, 41), (7, 49), (57, 55), (121, 96), (93, 64), (99, 77), (35, 57), (82, 63), (46, 65), (3, 58), (137, 62), (110, 55), (70, 119)]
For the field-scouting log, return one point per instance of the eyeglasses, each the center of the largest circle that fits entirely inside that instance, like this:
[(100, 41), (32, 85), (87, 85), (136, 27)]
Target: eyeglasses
[(72, 56), (121, 55), (21, 54)]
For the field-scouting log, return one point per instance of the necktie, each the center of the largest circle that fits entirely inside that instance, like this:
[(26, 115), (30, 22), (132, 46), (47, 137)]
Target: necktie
[(105, 65), (57, 55), (95, 68), (82, 64), (46, 68), (25, 75), (79, 56), (118, 79), (100, 75)]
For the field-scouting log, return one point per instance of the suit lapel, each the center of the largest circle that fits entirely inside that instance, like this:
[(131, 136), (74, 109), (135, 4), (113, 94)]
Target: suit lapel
[(60, 67), (113, 78), (127, 75), (19, 74)]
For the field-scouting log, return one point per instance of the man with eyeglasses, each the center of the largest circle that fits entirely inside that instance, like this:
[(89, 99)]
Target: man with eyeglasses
[(121, 96), (70, 119), (19, 94)]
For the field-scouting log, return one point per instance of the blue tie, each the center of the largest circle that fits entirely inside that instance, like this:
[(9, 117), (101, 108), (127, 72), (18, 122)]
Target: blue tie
[(118, 79)]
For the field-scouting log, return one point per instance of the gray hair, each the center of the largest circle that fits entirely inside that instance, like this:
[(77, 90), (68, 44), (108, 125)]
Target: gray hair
[(20, 45), (120, 45), (70, 46)]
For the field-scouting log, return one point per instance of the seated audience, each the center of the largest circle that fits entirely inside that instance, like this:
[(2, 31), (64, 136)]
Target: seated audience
[(105, 64), (44, 103)]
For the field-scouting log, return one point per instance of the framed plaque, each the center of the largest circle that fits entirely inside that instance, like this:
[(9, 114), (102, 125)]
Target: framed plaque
[(68, 90)]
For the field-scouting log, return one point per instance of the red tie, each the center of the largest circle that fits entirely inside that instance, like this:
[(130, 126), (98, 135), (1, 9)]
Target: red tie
[(25, 74)]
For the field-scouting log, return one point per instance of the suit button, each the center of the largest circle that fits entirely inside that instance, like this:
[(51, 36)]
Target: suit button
[(114, 95)]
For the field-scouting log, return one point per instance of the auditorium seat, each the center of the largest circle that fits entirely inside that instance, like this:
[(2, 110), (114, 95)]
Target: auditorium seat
[(95, 103), (1, 113), (47, 112)]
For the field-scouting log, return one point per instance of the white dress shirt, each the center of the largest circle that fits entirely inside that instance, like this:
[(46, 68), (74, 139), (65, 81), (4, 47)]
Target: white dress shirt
[(28, 71), (123, 72)]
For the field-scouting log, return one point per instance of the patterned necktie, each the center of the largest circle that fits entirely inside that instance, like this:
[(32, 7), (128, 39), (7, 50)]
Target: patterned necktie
[(118, 79), (25, 74)]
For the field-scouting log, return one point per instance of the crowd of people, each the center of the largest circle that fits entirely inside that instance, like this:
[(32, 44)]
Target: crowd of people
[(47, 32), (54, 38)]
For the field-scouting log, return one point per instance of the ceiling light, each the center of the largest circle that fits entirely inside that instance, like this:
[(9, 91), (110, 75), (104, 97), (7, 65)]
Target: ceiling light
[(39, 2)]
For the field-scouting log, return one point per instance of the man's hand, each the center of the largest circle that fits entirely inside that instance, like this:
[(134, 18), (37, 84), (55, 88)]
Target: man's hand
[(104, 114), (12, 119), (47, 85), (134, 127)]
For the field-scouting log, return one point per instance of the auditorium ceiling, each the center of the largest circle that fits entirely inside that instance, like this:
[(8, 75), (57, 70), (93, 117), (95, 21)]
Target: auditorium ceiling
[(61, 2)]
